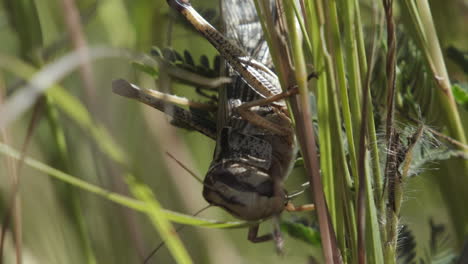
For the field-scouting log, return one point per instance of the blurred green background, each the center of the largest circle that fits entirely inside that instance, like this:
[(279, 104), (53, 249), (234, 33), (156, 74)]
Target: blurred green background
[(62, 224)]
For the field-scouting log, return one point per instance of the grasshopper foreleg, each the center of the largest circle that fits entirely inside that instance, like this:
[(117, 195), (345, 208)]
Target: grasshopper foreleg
[(303, 208), (245, 112)]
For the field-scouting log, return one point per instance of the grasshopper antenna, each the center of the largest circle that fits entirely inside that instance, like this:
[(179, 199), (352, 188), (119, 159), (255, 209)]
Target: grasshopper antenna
[(185, 168), (178, 229), (290, 207), (193, 174), (294, 194)]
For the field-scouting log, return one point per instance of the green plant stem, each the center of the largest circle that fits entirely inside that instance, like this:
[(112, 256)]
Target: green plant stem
[(375, 234), (313, 17), (301, 111), (392, 175), (24, 20), (351, 120), (371, 130), (353, 66), (115, 197), (374, 239), (71, 106), (159, 220), (31, 35), (338, 157), (453, 186), (70, 200)]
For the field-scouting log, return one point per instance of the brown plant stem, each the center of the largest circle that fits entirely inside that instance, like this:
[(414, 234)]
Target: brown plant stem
[(392, 176)]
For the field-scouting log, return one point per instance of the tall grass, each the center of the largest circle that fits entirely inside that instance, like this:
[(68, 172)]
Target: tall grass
[(366, 222), (112, 194)]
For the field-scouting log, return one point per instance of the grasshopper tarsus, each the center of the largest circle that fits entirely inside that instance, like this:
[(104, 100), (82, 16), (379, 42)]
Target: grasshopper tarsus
[(276, 236), (290, 207)]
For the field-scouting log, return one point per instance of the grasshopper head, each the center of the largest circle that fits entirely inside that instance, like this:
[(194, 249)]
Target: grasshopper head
[(245, 191)]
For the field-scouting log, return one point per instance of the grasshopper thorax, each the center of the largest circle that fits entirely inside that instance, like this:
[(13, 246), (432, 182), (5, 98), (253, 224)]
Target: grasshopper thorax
[(245, 191)]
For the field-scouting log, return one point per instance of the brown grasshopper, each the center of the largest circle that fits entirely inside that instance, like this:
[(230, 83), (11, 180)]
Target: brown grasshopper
[(255, 144)]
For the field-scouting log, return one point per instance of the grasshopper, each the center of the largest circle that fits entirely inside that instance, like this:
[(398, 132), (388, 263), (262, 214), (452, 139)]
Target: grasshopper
[(255, 142)]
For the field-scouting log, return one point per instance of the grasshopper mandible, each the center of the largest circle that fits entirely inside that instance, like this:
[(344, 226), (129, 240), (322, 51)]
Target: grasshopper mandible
[(255, 144)]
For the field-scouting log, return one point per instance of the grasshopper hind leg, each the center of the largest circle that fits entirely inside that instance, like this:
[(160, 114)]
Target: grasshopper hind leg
[(255, 238), (276, 236), (193, 119)]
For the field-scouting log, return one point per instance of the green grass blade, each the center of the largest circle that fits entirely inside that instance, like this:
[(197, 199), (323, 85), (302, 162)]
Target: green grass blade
[(46, 78), (117, 198), (159, 220), (78, 113), (71, 106)]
